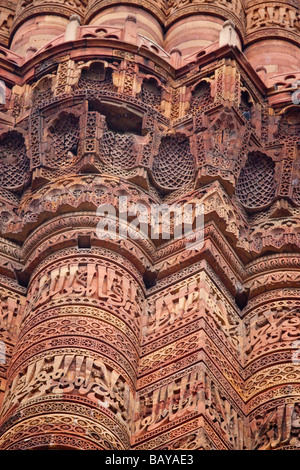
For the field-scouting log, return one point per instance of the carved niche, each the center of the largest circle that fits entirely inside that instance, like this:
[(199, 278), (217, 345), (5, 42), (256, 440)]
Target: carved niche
[(97, 76), (174, 166), (62, 141), (14, 163), (256, 184)]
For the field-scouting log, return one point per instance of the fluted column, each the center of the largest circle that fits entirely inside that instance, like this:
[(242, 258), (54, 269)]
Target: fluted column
[(149, 15), (197, 24), (37, 22), (272, 35), (72, 380), (272, 376)]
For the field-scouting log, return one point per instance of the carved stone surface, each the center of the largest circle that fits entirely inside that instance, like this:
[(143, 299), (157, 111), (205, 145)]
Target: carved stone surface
[(144, 341)]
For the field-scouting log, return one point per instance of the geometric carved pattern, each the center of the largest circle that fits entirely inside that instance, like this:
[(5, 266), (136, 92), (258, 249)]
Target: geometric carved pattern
[(64, 141), (138, 343), (151, 94), (42, 91), (117, 149), (96, 77), (14, 164), (256, 186), (201, 97), (174, 166)]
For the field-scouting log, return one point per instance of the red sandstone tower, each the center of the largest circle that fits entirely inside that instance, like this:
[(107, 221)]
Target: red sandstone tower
[(141, 343)]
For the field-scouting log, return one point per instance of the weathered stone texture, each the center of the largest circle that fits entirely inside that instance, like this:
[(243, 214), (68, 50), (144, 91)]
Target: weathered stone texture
[(142, 343)]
